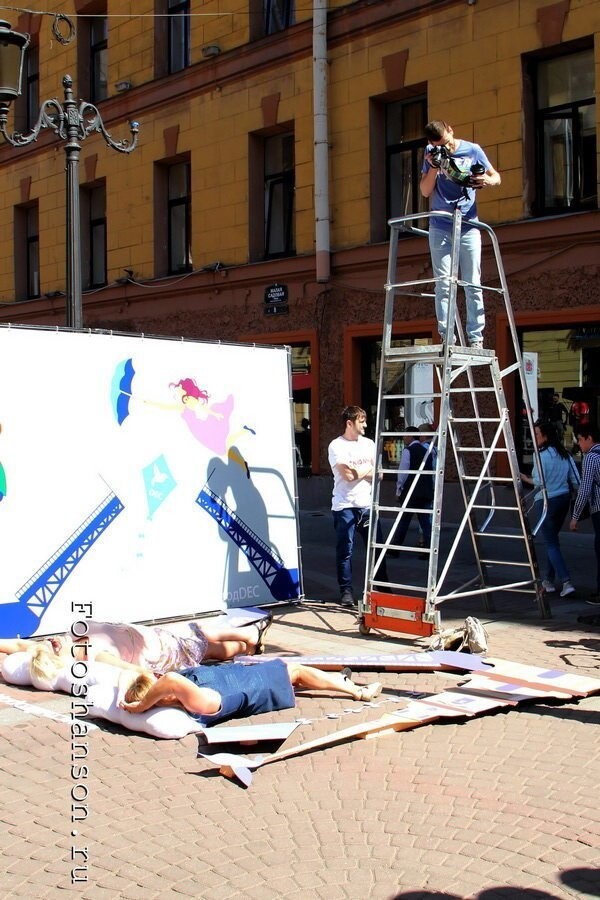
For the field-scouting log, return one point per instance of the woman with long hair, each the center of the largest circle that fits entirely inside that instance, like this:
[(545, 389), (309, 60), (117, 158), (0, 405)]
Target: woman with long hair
[(143, 647), (560, 478)]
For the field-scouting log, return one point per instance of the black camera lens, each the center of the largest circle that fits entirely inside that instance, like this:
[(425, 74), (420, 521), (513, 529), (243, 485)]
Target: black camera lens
[(437, 154)]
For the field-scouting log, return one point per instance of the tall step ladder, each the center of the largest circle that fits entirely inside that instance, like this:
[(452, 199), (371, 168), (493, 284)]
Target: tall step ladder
[(463, 389)]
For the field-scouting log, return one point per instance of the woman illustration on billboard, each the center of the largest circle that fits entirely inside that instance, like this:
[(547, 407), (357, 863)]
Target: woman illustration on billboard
[(208, 422)]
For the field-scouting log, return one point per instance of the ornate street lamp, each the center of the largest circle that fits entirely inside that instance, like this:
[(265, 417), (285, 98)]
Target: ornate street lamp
[(72, 122)]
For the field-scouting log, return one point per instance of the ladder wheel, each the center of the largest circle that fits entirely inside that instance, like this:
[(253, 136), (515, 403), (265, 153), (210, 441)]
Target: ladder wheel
[(363, 629)]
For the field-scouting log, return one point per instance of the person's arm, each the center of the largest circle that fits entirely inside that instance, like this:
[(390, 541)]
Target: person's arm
[(16, 645), (350, 473), (427, 183), (172, 689), (490, 178), (402, 473), (585, 488)]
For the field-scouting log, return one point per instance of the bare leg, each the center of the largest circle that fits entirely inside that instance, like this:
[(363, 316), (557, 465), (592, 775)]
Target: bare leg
[(222, 650), (307, 677), (237, 640)]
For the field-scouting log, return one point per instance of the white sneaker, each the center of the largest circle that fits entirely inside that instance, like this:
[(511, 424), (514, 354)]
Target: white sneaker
[(477, 345), (548, 587), (567, 589)]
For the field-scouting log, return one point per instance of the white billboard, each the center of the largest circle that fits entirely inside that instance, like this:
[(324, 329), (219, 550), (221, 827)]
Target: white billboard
[(152, 478)]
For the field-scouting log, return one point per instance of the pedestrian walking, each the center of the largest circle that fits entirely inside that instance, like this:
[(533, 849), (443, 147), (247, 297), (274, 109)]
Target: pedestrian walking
[(588, 439), (560, 477)]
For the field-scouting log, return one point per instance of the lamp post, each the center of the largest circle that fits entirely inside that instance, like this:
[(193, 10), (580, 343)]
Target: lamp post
[(72, 122)]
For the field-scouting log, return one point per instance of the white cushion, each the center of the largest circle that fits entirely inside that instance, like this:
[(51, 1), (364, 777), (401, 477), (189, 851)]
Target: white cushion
[(15, 668), (160, 723)]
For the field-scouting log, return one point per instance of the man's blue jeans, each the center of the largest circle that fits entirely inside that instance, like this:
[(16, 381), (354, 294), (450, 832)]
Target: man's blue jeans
[(469, 263), (558, 507), (346, 522)]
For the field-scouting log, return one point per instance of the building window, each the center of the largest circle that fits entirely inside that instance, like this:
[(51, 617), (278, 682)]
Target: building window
[(279, 195), (179, 216), (178, 34), (565, 117), (92, 42), (27, 252), (98, 58), (93, 235), (279, 14), (405, 142), (27, 106)]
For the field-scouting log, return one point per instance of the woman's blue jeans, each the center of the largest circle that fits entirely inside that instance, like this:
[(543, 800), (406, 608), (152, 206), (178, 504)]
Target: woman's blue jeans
[(469, 264), (558, 507)]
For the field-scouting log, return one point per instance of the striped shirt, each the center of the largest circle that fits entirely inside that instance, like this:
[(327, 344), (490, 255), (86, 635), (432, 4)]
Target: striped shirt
[(590, 483)]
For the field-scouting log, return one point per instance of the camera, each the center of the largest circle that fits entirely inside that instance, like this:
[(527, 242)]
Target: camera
[(437, 154)]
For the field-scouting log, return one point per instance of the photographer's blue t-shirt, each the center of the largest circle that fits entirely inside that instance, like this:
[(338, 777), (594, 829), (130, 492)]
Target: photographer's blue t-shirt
[(447, 195)]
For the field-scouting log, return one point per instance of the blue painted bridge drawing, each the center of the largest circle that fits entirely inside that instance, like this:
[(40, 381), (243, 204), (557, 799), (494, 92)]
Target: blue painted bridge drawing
[(22, 618), (283, 583)]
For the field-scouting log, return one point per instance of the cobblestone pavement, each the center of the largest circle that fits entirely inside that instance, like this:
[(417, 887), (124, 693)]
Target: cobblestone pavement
[(502, 806)]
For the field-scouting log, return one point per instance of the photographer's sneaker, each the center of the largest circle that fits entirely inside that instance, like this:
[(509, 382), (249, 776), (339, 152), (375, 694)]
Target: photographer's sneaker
[(476, 345), (548, 587), (567, 589), (593, 600)]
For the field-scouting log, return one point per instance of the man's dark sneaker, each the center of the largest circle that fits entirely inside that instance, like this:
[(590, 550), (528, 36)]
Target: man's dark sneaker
[(347, 598), (593, 600)]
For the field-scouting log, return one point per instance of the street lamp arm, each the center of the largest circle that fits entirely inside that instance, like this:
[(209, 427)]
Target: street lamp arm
[(51, 116), (90, 120)]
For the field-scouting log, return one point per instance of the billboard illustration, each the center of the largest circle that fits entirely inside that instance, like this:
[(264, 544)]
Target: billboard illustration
[(152, 478)]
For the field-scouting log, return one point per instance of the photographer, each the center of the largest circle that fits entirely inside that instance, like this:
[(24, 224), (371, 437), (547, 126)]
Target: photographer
[(453, 170)]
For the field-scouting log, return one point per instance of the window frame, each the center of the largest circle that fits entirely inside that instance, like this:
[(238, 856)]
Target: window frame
[(98, 50), (173, 204), (286, 180), (89, 240), (178, 9), (567, 111)]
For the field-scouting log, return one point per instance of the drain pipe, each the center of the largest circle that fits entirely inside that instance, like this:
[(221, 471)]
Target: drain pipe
[(321, 128)]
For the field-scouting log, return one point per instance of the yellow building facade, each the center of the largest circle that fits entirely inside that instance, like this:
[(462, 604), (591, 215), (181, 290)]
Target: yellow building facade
[(227, 96)]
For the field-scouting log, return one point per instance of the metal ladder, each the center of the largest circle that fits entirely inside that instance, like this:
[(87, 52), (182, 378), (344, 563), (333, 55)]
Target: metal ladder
[(466, 386)]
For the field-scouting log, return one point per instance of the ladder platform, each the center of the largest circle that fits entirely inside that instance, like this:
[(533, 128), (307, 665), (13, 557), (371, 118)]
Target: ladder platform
[(395, 612), (434, 353)]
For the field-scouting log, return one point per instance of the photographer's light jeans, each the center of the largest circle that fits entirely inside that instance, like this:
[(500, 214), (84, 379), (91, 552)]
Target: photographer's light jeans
[(469, 264)]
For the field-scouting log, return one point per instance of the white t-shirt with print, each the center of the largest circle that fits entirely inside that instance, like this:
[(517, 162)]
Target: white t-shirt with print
[(354, 454)]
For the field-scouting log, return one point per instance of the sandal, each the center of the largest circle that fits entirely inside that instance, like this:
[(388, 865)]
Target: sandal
[(261, 626), (370, 691)]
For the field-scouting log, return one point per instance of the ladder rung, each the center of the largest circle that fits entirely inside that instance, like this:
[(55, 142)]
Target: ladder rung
[(511, 537), (496, 508), (495, 479), (504, 562), (478, 419), (482, 449)]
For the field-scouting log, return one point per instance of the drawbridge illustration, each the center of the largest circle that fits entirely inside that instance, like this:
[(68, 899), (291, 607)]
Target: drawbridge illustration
[(22, 618), (283, 583)]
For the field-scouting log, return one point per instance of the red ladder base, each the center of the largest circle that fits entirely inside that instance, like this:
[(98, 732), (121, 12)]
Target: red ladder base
[(394, 612)]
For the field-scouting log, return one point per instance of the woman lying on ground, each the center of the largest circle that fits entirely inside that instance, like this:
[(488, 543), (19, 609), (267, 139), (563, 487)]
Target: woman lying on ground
[(143, 647), (212, 694)]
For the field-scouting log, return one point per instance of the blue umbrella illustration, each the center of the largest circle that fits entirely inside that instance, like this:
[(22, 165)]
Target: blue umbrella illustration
[(120, 391)]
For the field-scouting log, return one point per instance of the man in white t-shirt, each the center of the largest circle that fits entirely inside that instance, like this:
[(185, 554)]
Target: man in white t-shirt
[(352, 461)]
